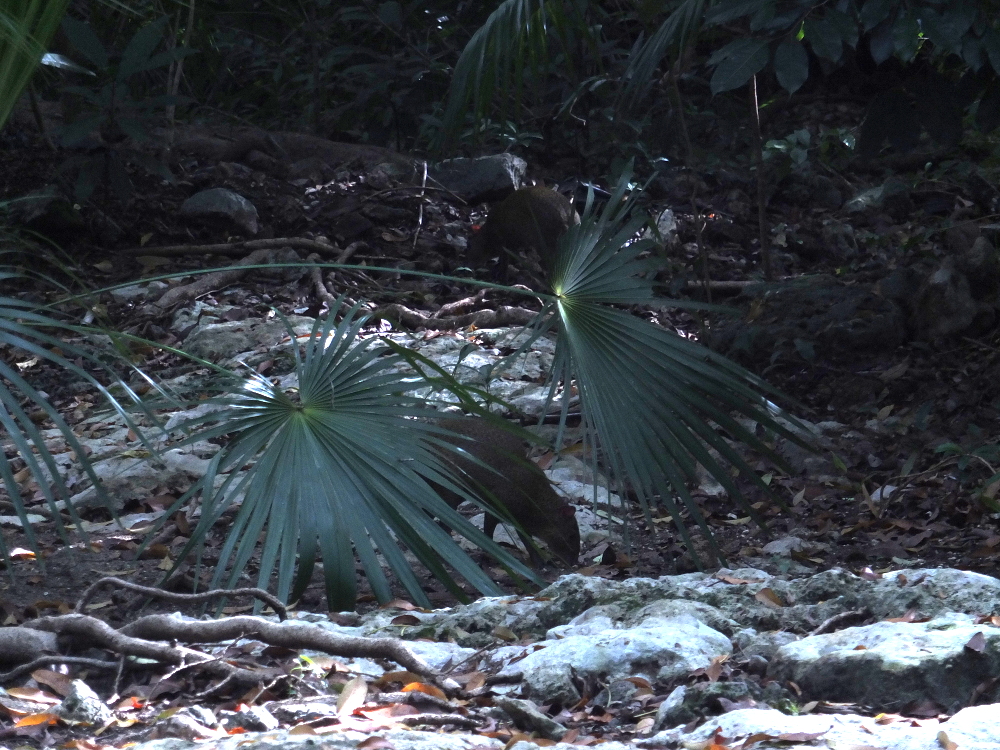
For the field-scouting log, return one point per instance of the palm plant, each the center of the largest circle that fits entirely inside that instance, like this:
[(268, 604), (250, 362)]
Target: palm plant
[(657, 403), (32, 331), (336, 465), (26, 27), (29, 330), (340, 465)]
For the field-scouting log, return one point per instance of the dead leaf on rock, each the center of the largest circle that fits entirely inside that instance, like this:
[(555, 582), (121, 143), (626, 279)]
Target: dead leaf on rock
[(423, 687), (769, 597), (504, 633), (474, 680), (352, 696), (910, 615), (375, 743), (400, 677), (944, 742), (406, 620), (977, 643)]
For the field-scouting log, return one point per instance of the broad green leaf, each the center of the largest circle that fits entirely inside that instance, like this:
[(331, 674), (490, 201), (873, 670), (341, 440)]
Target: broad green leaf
[(737, 63), (873, 12), (762, 18), (973, 53), (791, 65), (906, 37), (845, 26), (85, 41), (991, 43), (139, 49), (881, 43), (946, 29), (824, 39)]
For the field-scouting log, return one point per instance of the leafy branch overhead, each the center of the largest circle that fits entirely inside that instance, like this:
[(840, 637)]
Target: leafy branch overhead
[(114, 108), (785, 39), (959, 41)]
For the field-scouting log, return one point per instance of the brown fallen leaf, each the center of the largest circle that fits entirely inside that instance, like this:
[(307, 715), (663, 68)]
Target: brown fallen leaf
[(402, 677), (405, 620), (977, 643), (423, 687), (769, 596), (375, 743), (943, 741), (34, 695), (34, 720), (352, 696)]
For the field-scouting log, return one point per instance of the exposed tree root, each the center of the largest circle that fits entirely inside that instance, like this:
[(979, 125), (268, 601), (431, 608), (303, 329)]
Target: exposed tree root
[(501, 317), (37, 642), (173, 596)]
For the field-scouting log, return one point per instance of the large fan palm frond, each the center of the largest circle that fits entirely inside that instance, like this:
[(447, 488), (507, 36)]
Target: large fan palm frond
[(678, 30), (659, 404), (26, 27), (337, 468), (28, 332), (511, 43)]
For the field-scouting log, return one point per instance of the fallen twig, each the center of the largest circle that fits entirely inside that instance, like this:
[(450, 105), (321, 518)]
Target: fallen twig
[(499, 318), (174, 596), (234, 248), (143, 638)]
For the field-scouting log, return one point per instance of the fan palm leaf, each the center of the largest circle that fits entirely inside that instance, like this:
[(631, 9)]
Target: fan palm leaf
[(659, 405), (26, 27), (338, 466), (513, 41), (29, 331)]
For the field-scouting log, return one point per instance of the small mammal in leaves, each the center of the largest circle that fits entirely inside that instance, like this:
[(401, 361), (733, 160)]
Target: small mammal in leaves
[(528, 219), (514, 482)]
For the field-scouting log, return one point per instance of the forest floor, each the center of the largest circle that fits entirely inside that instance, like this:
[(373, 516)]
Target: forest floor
[(898, 500), (930, 508)]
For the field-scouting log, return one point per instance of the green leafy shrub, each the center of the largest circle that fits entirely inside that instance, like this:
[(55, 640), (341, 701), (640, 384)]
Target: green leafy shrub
[(115, 109)]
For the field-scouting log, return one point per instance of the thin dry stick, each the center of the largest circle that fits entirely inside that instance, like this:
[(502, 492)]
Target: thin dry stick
[(233, 248), (699, 220), (420, 217), (758, 160), (50, 659), (174, 596), (317, 275), (178, 68)]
